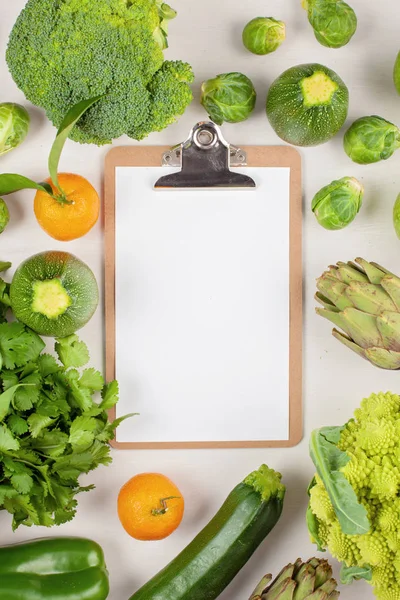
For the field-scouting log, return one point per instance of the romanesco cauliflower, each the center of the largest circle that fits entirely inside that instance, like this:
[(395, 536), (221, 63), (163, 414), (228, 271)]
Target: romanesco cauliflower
[(63, 51), (354, 507)]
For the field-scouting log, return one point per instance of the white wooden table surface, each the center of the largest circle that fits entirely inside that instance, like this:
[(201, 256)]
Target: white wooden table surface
[(208, 35)]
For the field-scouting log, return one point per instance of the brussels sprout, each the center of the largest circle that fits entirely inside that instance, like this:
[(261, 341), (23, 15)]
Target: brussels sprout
[(4, 215), (337, 204), (228, 97), (263, 35), (396, 73), (396, 216), (14, 125), (334, 22), (371, 139)]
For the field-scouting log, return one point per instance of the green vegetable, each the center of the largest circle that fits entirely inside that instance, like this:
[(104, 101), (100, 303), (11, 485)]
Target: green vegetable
[(51, 429), (354, 500), (371, 139), (337, 204), (208, 564), (14, 126), (396, 73), (307, 105), (396, 216), (63, 51), (363, 299), (11, 182), (54, 293), (53, 569), (228, 97), (263, 35), (334, 22), (4, 215), (312, 580)]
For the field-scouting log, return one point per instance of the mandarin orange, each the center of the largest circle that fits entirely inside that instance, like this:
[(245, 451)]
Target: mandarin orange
[(150, 506), (72, 214)]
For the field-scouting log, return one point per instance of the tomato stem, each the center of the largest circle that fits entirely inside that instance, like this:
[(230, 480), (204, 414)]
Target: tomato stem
[(164, 508)]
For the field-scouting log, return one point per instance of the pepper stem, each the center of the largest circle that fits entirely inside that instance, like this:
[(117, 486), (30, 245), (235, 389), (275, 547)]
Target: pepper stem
[(164, 507)]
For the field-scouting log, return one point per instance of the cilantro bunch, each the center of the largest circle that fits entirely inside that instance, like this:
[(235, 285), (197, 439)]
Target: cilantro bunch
[(51, 428)]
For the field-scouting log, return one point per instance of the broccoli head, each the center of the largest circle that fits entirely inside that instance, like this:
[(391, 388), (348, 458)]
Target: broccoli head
[(64, 51), (354, 508)]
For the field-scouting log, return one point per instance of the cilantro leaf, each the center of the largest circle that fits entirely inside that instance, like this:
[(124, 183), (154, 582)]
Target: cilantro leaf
[(81, 395), (52, 443), (18, 345), (22, 482), (7, 440), (47, 365), (6, 399), (6, 491), (100, 453), (109, 430), (92, 379), (82, 432), (109, 395), (38, 422), (72, 352), (72, 465), (17, 424)]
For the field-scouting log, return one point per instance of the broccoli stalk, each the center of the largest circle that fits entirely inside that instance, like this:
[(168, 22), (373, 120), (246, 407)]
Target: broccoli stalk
[(63, 51)]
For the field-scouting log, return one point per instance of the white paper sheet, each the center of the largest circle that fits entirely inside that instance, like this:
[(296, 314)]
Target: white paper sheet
[(202, 309)]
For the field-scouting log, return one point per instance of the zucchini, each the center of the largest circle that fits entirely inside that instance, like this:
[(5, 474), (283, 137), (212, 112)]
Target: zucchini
[(209, 563), (307, 105)]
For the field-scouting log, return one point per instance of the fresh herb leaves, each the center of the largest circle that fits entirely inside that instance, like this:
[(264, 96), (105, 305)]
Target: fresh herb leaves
[(51, 428)]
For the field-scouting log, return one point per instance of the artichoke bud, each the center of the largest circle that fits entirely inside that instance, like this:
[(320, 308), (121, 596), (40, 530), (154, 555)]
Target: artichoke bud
[(301, 581), (337, 204), (363, 300)]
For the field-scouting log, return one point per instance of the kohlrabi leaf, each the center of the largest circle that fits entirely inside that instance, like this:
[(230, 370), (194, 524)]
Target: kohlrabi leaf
[(70, 120), (11, 182), (328, 461), (313, 529), (350, 574)]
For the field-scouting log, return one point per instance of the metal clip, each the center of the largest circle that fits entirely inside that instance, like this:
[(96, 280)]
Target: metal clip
[(204, 158)]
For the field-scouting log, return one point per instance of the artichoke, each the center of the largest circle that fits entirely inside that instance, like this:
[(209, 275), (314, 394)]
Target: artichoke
[(299, 581), (363, 299)]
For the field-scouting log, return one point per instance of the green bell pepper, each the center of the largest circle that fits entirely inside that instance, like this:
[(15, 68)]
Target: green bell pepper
[(53, 569)]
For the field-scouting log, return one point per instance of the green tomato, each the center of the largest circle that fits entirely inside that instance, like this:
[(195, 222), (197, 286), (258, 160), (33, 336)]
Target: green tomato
[(4, 215), (14, 126), (371, 139), (396, 73), (334, 22), (263, 35), (337, 204), (228, 97)]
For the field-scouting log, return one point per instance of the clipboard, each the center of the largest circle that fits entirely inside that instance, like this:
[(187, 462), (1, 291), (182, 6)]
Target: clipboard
[(235, 167)]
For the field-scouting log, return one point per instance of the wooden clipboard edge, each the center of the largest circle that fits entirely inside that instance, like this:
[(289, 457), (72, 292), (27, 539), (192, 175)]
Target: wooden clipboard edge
[(257, 156)]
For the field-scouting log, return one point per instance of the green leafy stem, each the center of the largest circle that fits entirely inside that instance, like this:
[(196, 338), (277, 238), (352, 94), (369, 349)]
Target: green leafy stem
[(11, 182), (329, 460)]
